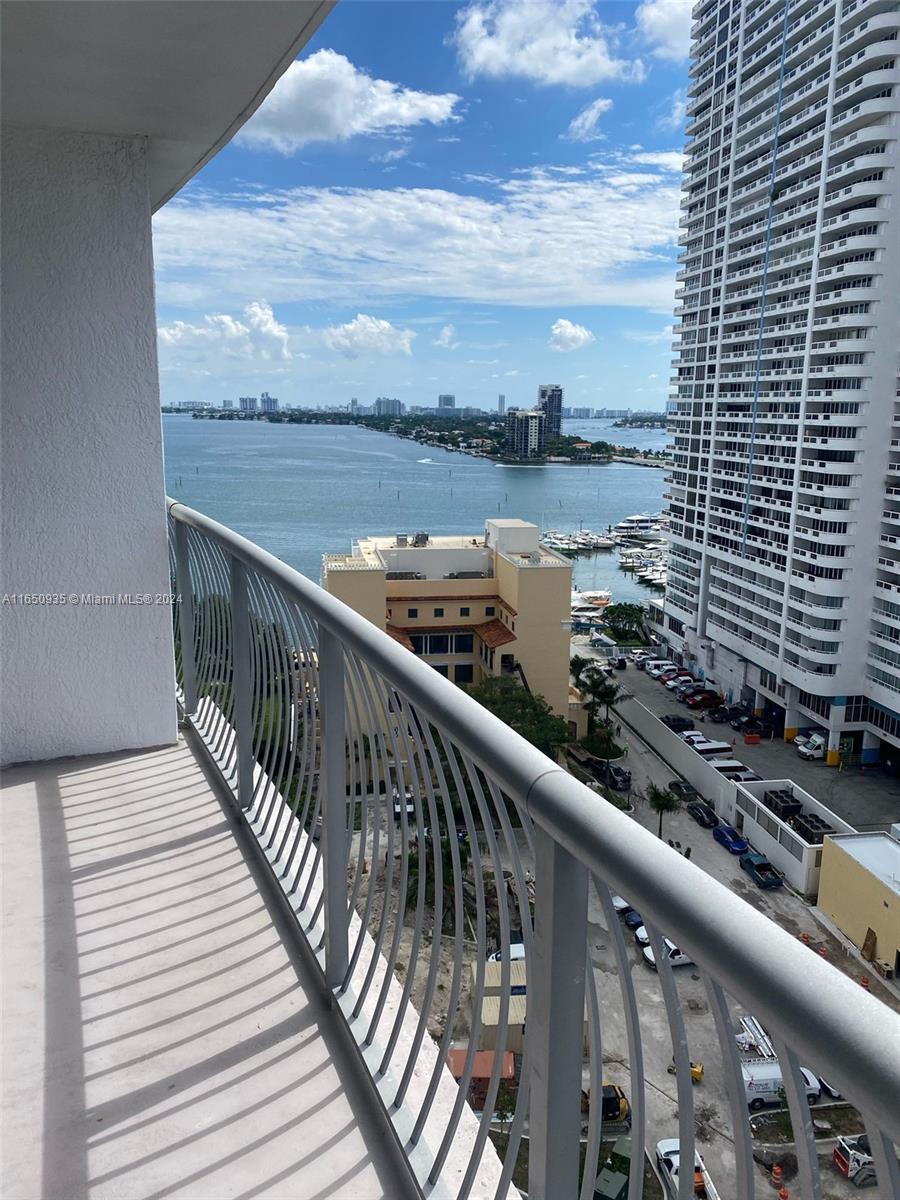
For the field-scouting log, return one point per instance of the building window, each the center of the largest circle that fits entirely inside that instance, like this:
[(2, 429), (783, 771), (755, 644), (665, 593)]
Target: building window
[(442, 669), (412, 612), (418, 643), (438, 612), (439, 643), (489, 611), (463, 673), (464, 643), (463, 612)]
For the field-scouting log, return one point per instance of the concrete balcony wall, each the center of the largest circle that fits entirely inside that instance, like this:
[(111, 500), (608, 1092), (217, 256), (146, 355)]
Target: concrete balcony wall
[(82, 472)]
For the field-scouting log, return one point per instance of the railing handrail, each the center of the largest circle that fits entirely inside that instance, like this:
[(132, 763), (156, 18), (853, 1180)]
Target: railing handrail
[(752, 958)]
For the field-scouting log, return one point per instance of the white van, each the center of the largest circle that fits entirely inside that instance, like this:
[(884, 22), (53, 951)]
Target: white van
[(729, 767), (814, 747), (712, 749), (763, 1083)]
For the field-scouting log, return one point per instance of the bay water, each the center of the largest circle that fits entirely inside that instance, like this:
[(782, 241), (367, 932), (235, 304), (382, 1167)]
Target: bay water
[(301, 491)]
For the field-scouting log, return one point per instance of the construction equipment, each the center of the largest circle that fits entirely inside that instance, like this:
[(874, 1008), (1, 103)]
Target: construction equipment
[(853, 1157)]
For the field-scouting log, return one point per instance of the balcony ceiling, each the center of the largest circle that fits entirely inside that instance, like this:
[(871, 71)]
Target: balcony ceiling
[(186, 73)]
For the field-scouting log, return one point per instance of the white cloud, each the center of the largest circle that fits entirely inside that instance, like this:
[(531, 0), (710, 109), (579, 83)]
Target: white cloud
[(325, 98), (655, 337), (390, 156), (566, 336), (446, 339), (674, 118), (448, 140), (368, 335), (666, 24), (668, 160), (583, 128), (513, 246), (259, 336), (546, 41)]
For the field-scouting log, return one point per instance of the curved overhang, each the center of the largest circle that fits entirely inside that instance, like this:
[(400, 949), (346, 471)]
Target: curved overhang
[(186, 74)]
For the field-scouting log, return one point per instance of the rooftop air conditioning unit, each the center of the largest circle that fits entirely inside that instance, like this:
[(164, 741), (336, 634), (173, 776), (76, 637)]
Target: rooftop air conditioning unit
[(402, 539)]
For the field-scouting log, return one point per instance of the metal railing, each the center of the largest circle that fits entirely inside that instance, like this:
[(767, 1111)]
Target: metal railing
[(412, 832)]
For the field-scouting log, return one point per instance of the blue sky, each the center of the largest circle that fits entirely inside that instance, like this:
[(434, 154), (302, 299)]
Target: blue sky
[(471, 198)]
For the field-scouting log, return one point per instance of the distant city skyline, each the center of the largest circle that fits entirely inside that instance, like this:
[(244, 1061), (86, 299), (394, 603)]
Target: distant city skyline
[(486, 202)]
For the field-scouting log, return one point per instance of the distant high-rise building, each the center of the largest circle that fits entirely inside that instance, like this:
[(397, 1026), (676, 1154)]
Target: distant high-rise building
[(354, 405), (228, 404), (582, 414), (550, 398), (248, 403), (446, 401), (385, 406), (267, 403), (784, 572), (526, 433), (501, 404)]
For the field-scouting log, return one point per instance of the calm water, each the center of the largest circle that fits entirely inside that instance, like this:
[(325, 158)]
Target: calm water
[(302, 491)]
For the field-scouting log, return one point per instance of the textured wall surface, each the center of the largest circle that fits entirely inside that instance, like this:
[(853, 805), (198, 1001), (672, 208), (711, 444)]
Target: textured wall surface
[(81, 467)]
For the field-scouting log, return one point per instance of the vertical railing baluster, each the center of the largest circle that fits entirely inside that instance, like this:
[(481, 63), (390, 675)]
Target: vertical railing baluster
[(555, 1028), (241, 682), (184, 589), (333, 782)]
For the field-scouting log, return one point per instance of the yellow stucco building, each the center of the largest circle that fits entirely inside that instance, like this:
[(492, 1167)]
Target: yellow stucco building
[(470, 606), (859, 890)]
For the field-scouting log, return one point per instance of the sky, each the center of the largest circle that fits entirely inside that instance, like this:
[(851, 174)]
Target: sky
[(436, 197)]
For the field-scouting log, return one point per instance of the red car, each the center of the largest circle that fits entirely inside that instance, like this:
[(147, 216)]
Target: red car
[(703, 700)]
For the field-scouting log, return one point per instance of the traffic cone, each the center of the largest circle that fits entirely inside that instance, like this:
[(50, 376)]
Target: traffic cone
[(823, 953), (783, 1194), (804, 938), (865, 982), (777, 1179)]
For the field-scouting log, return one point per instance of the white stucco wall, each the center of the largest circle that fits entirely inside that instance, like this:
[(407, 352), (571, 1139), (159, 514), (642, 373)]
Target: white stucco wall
[(81, 456)]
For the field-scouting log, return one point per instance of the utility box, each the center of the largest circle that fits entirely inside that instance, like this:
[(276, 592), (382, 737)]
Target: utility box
[(610, 1185)]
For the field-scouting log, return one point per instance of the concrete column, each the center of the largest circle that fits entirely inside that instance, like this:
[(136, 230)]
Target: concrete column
[(871, 747), (833, 752), (793, 718), (81, 468)]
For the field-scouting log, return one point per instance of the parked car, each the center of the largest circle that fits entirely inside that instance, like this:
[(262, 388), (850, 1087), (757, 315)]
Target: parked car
[(679, 680), (743, 718), (690, 736), (724, 713), (621, 905), (705, 699), (760, 726), (728, 837), (760, 870), (704, 814), (654, 671), (687, 686), (641, 936), (620, 663), (633, 919), (676, 957), (684, 791), (668, 1162), (677, 724)]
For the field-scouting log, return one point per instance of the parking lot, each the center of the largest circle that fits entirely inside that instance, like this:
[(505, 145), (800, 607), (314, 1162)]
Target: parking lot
[(869, 800), (876, 807)]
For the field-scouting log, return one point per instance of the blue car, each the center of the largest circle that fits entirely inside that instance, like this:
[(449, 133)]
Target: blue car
[(633, 920), (730, 839)]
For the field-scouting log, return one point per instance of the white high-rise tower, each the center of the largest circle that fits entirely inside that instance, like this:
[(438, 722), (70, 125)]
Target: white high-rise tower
[(784, 580)]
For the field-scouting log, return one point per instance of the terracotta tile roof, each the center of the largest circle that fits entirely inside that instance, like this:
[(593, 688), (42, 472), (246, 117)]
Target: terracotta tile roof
[(399, 635), (494, 633), (482, 1065)]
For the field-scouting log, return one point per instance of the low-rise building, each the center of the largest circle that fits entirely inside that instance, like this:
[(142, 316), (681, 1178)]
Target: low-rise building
[(859, 890), (471, 606)]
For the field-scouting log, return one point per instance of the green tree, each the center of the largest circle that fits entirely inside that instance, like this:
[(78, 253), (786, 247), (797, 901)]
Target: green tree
[(662, 801), (624, 619), (578, 664), (505, 1104), (601, 692), (528, 714)]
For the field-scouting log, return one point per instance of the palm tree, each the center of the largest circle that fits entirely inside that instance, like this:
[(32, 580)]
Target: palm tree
[(601, 690), (578, 664), (662, 801)]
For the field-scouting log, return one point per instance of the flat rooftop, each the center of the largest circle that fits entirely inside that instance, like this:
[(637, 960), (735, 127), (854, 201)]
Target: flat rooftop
[(877, 852)]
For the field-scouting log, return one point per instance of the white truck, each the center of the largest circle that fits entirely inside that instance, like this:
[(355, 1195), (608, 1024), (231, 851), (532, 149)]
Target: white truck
[(853, 1157), (815, 746), (668, 1161)]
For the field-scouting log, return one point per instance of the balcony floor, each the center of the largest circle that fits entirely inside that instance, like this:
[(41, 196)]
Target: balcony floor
[(161, 1037)]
